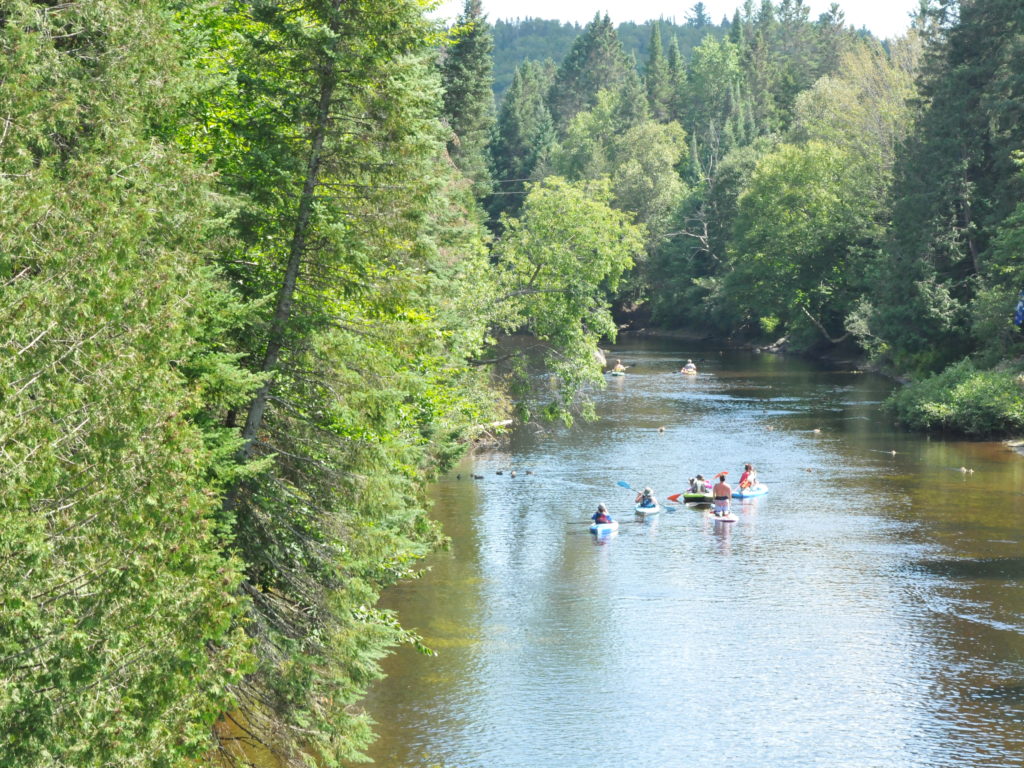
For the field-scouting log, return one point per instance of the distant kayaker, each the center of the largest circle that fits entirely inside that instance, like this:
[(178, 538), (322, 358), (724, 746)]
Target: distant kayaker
[(723, 496), (689, 367), (749, 477), (601, 516), (646, 499), (618, 367)]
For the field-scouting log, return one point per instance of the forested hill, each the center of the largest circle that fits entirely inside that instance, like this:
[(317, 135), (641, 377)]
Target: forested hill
[(516, 40), (805, 186)]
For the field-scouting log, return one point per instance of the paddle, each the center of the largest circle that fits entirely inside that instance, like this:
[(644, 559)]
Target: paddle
[(628, 487), (591, 522)]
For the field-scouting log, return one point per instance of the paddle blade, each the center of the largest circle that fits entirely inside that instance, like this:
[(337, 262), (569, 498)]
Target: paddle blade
[(674, 497), (670, 509), (624, 484)]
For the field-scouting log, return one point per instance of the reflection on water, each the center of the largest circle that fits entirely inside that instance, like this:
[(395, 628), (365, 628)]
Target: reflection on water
[(867, 612)]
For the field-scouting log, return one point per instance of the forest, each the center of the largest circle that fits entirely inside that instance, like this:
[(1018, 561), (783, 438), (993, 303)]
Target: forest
[(269, 266)]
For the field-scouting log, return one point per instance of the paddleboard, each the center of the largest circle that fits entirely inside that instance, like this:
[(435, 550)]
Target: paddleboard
[(728, 517)]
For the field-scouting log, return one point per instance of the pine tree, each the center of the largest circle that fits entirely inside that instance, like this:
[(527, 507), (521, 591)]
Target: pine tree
[(596, 62), (632, 99), (524, 136), (467, 78), (659, 78), (677, 81)]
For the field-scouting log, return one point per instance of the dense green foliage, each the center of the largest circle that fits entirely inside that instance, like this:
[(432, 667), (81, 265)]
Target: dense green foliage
[(466, 78), (830, 190), (964, 400), (520, 40), (269, 265), (249, 310), (119, 632)]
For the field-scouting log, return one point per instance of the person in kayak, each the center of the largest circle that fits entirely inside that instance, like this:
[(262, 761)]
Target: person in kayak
[(618, 367), (689, 367), (749, 477), (646, 499), (601, 516), (723, 496)]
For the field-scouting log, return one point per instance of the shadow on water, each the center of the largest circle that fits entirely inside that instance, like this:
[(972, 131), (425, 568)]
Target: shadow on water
[(995, 568)]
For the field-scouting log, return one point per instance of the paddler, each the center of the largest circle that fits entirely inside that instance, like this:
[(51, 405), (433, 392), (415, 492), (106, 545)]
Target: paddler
[(749, 477), (618, 367), (646, 499), (601, 516)]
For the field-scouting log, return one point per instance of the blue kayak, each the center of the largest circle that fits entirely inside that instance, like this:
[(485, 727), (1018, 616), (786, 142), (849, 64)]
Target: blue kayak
[(749, 493), (644, 511), (602, 529)]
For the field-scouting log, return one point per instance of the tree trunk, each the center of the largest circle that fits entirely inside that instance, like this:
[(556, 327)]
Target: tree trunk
[(283, 308)]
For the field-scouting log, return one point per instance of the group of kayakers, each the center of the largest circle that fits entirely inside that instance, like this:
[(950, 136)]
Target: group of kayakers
[(721, 493), (688, 368)]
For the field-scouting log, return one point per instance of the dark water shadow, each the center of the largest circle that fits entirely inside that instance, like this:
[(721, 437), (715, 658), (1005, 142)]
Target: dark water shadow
[(984, 568)]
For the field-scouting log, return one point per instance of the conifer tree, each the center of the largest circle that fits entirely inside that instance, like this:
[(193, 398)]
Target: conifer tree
[(117, 635), (524, 136), (467, 78), (596, 62), (659, 78), (957, 180), (365, 263), (677, 81), (632, 102)]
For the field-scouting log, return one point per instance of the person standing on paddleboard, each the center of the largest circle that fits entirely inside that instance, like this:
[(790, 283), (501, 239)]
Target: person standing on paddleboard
[(723, 496)]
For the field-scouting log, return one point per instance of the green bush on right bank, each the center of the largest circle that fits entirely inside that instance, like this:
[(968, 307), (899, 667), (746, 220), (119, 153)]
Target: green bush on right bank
[(964, 400)]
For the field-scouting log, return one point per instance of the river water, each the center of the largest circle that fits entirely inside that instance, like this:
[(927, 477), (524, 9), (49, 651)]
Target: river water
[(869, 611)]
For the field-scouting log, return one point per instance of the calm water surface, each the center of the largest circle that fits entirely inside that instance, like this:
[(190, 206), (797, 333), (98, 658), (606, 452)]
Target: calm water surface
[(869, 611)]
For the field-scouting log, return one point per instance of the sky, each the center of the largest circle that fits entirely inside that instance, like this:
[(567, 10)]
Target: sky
[(885, 18)]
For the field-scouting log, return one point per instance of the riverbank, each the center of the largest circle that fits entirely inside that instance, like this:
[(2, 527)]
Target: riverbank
[(832, 357)]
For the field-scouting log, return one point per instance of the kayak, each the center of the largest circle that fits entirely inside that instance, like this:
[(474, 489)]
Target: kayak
[(645, 511), (617, 373), (688, 373), (603, 529), (749, 493), (698, 498)]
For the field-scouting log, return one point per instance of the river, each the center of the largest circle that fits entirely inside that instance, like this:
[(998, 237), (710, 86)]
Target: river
[(868, 611)]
